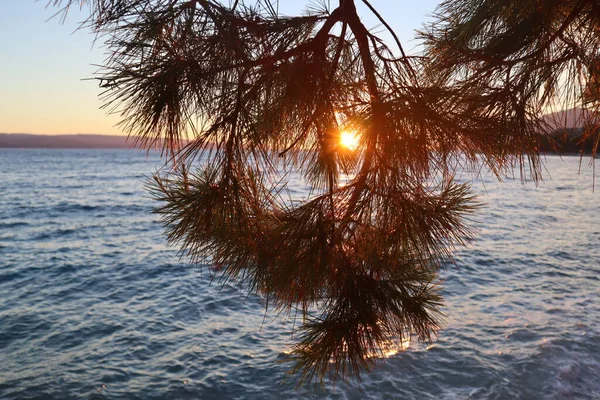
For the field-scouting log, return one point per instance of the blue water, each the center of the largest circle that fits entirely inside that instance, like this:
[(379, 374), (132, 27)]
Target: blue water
[(94, 304)]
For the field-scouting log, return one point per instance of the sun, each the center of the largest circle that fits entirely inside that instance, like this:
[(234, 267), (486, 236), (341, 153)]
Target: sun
[(349, 140)]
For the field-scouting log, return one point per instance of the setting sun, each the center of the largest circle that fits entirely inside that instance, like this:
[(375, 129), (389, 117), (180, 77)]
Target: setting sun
[(349, 140)]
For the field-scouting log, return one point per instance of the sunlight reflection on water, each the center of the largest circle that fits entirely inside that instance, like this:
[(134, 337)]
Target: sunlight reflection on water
[(91, 295)]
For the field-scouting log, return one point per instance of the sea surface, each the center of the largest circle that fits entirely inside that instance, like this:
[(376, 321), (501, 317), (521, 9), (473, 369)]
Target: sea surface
[(95, 305)]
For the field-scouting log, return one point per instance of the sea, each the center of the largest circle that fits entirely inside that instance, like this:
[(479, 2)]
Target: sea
[(94, 303)]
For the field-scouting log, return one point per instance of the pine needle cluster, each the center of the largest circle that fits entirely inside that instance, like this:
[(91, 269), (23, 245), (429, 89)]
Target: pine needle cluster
[(522, 59), (235, 93)]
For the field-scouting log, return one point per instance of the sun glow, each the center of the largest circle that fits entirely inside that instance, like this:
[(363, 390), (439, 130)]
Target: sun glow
[(349, 140)]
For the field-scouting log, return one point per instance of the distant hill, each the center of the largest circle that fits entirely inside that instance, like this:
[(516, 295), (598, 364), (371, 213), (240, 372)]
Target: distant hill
[(565, 137), (567, 119), (65, 141), (567, 134), (568, 141)]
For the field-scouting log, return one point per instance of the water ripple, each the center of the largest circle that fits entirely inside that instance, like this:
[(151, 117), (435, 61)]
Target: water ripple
[(93, 304)]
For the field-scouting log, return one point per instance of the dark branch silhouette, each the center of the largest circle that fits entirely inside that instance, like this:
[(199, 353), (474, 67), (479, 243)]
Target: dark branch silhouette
[(255, 92)]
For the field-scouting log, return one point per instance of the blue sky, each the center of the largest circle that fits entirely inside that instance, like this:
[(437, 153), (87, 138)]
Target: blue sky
[(45, 64)]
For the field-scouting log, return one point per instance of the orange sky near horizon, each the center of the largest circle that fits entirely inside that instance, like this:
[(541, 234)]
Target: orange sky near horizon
[(43, 82), (45, 85)]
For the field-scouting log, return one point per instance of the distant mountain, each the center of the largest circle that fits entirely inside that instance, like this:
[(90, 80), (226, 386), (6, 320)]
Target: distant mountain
[(567, 134), (65, 141), (567, 119), (565, 137)]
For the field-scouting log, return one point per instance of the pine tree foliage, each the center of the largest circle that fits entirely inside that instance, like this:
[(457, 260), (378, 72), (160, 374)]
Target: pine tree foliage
[(236, 93), (523, 59)]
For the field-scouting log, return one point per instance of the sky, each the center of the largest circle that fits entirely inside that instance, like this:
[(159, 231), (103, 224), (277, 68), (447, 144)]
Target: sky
[(46, 65)]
